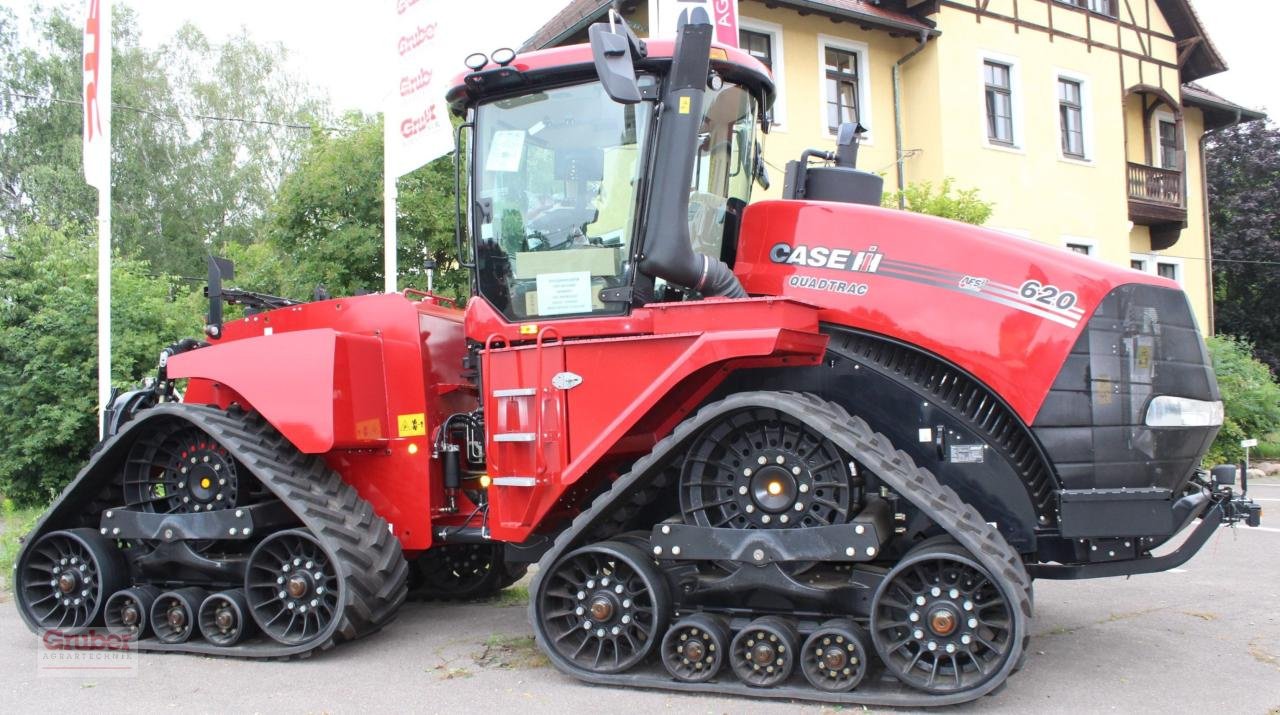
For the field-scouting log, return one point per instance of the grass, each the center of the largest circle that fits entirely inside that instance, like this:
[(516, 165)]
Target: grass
[(514, 596), (510, 653), (1268, 447), (15, 522)]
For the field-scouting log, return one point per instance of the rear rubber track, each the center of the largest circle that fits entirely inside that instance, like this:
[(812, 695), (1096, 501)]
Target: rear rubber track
[(366, 553), (609, 514)]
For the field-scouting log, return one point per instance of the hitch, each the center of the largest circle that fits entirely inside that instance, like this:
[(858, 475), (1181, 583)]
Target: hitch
[(1235, 509)]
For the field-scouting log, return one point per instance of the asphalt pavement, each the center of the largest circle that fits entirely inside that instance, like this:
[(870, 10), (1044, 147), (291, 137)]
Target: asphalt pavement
[(1202, 638)]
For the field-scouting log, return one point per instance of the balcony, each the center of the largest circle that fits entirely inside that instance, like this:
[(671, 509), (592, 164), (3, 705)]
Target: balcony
[(1157, 199)]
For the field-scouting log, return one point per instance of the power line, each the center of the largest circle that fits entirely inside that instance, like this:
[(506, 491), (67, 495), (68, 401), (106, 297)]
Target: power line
[(175, 117)]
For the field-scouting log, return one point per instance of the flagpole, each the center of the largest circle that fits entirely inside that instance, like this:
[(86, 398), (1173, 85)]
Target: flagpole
[(104, 304), (97, 170)]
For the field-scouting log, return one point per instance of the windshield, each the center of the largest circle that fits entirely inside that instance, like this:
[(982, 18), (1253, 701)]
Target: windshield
[(554, 202)]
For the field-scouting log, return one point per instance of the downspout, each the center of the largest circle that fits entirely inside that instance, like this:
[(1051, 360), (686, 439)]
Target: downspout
[(1208, 231), (897, 114)]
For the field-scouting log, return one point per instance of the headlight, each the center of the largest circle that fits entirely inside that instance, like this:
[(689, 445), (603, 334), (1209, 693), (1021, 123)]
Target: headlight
[(1169, 411)]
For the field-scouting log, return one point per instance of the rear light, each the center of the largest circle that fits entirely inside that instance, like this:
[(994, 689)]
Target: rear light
[(1169, 411)]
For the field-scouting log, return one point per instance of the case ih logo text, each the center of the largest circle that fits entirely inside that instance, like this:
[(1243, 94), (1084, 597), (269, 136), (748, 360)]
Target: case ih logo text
[(840, 259)]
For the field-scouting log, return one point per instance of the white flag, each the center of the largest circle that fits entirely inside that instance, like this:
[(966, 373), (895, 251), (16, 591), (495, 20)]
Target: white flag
[(426, 44), (97, 94)]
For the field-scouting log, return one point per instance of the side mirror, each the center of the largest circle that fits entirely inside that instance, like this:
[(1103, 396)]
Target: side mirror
[(611, 51)]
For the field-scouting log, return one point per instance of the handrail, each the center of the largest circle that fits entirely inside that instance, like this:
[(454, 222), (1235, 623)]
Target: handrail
[(1155, 185), (538, 467)]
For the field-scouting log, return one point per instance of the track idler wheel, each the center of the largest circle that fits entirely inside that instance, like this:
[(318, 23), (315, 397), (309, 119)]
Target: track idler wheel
[(940, 622), (694, 649), (292, 587), (602, 607), (173, 615), (764, 653), (224, 618), (128, 612), (64, 579), (836, 656)]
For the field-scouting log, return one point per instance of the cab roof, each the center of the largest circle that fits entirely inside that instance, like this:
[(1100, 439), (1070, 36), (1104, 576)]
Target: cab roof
[(575, 62)]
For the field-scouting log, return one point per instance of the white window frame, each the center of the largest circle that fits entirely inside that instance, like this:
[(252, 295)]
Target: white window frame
[(1091, 244), (1164, 115), (1015, 100), (1151, 264), (775, 32), (863, 53), (1086, 115)]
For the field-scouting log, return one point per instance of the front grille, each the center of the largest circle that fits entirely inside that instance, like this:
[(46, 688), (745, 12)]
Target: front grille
[(1141, 342)]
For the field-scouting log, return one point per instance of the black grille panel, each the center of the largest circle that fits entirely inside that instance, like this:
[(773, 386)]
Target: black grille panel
[(967, 399)]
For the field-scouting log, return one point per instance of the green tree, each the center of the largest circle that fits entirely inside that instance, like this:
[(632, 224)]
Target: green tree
[(1249, 393), (48, 349), (1244, 212), (924, 198), (184, 182), (326, 225)]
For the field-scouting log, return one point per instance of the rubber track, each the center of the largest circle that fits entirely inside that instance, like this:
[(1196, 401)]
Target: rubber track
[(361, 544), (650, 475)]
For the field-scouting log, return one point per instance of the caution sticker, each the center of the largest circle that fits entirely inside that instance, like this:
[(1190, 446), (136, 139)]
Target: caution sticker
[(686, 105), (414, 425)]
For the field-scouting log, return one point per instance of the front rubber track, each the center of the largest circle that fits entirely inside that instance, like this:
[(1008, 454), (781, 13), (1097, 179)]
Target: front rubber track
[(367, 554), (610, 512)]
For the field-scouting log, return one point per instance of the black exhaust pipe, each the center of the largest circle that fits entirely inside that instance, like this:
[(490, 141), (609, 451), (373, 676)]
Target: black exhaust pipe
[(667, 251)]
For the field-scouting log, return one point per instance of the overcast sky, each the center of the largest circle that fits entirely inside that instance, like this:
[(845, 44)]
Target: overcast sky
[(334, 42)]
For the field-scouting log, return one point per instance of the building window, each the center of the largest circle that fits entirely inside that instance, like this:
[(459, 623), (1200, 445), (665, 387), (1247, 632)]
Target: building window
[(763, 41), (1170, 268), (1082, 248), (1071, 115), (1102, 7), (999, 102), (757, 44), (842, 79), (1170, 154)]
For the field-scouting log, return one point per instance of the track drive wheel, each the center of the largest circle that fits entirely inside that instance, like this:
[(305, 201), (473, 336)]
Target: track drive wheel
[(694, 649), (602, 607), (764, 653), (293, 588), (462, 571), (940, 622), (64, 579)]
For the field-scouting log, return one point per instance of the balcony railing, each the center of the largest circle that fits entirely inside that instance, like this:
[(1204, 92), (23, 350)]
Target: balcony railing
[(1155, 185)]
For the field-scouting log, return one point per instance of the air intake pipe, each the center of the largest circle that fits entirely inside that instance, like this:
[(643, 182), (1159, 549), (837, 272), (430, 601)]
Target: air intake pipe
[(667, 251)]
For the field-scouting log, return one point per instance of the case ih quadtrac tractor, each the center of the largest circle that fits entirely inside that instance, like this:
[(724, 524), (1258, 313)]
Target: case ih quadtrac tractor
[(807, 448)]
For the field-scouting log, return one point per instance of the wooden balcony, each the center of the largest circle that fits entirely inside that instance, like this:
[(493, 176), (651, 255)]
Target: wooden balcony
[(1157, 199)]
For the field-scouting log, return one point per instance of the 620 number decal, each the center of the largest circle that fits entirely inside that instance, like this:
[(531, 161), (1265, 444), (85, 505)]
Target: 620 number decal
[(1048, 295)]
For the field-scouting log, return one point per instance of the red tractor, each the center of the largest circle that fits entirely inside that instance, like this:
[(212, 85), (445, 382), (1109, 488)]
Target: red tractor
[(806, 448)]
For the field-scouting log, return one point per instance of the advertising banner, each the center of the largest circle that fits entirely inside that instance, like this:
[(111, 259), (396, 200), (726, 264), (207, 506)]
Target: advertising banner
[(664, 14)]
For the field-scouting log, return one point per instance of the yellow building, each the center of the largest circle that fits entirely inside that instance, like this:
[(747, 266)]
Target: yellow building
[(1079, 119)]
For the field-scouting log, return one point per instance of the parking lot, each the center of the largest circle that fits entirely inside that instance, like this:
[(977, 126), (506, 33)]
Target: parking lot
[(1205, 637)]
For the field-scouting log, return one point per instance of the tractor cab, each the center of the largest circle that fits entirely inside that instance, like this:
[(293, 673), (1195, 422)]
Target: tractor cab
[(602, 177)]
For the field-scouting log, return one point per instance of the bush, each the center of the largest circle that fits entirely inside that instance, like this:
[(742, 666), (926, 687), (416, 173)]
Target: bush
[(961, 206), (1251, 396), (48, 350)]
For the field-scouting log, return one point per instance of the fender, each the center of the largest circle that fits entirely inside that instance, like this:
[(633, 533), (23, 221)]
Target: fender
[(321, 388)]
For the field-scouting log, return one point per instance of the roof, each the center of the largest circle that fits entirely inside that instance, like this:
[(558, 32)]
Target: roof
[(579, 13), (1218, 112), (1204, 59)]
